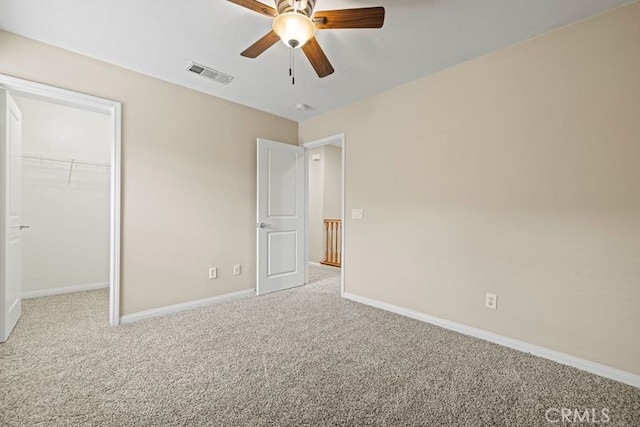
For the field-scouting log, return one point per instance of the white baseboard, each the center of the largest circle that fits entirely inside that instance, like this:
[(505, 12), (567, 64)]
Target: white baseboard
[(329, 267), (64, 290), (565, 359), (162, 311)]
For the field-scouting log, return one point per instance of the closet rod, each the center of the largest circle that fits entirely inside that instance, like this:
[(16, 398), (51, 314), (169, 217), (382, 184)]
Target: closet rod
[(72, 162)]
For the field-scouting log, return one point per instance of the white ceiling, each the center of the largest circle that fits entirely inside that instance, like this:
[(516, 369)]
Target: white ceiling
[(159, 38)]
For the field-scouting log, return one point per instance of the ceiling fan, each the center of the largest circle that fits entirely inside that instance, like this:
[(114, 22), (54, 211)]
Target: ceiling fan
[(295, 23)]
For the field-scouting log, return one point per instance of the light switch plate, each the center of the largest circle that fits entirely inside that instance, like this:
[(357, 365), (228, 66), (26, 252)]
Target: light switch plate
[(357, 214)]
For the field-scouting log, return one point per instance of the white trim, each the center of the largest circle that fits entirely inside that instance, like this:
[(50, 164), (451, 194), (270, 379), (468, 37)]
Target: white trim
[(114, 109), (321, 265), (163, 311), (565, 359), (64, 290), (338, 140), (71, 98), (114, 256)]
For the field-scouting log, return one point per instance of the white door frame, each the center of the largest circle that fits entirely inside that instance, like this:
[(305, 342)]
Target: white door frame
[(114, 109), (334, 139)]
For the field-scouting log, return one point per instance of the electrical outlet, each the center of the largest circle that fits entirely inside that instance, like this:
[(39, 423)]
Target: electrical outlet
[(491, 301), (357, 214), (213, 273), (236, 269)]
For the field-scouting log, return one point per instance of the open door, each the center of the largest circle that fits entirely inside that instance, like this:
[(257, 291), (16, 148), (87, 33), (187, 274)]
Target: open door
[(280, 216), (10, 202)]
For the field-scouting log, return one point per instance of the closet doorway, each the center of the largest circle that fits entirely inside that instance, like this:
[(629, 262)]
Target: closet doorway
[(65, 170), (65, 198)]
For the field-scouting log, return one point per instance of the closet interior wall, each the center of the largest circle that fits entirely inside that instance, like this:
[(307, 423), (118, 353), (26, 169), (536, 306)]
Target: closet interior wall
[(65, 196), (325, 193)]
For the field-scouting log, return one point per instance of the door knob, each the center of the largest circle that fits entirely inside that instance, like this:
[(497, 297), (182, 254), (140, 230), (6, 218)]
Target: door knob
[(263, 225)]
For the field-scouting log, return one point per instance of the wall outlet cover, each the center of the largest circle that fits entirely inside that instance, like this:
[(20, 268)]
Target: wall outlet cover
[(491, 301), (213, 273), (357, 214)]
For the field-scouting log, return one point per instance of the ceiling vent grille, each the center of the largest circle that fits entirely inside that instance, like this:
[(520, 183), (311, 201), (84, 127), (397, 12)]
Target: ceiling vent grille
[(209, 73)]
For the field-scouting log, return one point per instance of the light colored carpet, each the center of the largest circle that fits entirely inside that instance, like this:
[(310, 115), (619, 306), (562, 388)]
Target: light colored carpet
[(298, 357)]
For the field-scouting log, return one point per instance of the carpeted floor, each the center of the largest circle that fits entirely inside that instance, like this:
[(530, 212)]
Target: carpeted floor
[(298, 357)]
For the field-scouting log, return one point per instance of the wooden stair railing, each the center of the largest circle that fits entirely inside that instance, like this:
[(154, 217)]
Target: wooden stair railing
[(333, 242)]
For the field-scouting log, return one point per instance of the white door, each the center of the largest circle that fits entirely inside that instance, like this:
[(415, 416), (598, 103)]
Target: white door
[(280, 219), (10, 177)]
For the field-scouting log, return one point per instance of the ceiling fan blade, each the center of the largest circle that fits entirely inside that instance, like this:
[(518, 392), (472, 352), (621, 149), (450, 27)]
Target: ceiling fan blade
[(256, 6), (261, 45), (318, 59), (366, 17)]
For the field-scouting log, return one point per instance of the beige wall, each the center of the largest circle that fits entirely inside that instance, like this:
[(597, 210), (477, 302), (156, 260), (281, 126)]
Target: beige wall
[(517, 173), (316, 205), (325, 195), (188, 185), (332, 182)]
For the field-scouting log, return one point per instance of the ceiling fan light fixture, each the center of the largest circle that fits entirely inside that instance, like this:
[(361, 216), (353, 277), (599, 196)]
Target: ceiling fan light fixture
[(294, 29)]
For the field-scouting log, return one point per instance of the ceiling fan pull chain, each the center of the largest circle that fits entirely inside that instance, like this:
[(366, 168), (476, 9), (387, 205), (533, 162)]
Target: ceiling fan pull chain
[(292, 69)]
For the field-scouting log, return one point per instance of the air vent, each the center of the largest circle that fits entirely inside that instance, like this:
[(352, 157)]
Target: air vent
[(209, 73)]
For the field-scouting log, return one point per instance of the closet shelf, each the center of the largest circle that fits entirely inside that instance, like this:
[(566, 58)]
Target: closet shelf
[(72, 162)]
